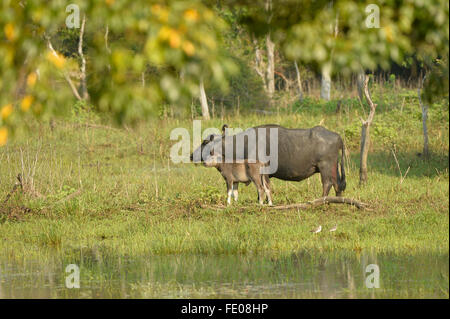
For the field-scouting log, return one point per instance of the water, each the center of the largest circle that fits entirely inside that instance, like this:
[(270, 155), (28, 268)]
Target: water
[(302, 275)]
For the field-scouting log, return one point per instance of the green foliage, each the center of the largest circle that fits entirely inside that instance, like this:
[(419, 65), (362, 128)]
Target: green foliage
[(65, 191), (353, 131), (390, 84), (440, 111), (209, 194), (157, 53), (66, 42), (317, 107), (437, 80), (180, 39), (384, 132), (306, 31), (246, 88)]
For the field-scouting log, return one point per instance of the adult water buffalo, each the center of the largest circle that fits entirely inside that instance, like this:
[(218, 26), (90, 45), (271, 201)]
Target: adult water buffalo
[(299, 153)]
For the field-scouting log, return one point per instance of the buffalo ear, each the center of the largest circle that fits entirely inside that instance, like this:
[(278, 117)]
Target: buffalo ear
[(224, 127)]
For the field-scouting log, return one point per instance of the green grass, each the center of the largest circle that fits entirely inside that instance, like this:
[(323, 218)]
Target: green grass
[(130, 200)]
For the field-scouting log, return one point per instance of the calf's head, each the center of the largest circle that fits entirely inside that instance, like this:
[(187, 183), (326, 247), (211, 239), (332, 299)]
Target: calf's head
[(208, 152), (202, 153)]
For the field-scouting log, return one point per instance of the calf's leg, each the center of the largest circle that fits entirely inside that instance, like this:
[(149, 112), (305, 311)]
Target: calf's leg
[(255, 176), (260, 194), (266, 184), (235, 191), (229, 191)]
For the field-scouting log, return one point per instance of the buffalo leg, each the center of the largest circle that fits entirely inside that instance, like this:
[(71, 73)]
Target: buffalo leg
[(326, 188), (335, 180), (328, 176)]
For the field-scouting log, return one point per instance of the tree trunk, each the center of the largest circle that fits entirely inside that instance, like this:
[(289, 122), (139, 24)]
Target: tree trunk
[(299, 82), (425, 130), (424, 107), (365, 134), (259, 64), (83, 86), (360, 84), (21, 81), (325, 87), (270, 46), (108, 50), (204, 102), (365, 144)]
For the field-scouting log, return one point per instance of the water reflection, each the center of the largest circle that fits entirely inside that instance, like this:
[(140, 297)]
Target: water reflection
[(302, 275)]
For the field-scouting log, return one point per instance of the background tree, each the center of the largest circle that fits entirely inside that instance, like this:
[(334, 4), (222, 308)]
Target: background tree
[(405, 28), (172, 37), (327, 67), (204, 101), (157, 54)]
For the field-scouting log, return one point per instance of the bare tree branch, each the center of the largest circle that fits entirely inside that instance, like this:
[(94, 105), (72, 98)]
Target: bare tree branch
[(259, 64), (299, 81), (83, 85), (204, 101), (365, 134), (424, 108), (106, 39)]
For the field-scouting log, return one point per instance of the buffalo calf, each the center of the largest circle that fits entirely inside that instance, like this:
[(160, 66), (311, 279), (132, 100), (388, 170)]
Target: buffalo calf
[(242, 172)]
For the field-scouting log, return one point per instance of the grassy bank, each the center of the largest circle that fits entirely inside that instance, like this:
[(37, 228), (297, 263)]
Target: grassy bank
[(115, 190)]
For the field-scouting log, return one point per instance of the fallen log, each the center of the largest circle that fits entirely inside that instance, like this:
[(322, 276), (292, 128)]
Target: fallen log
[(324, 200), (68, 197), (310, 204), (16, 185)]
